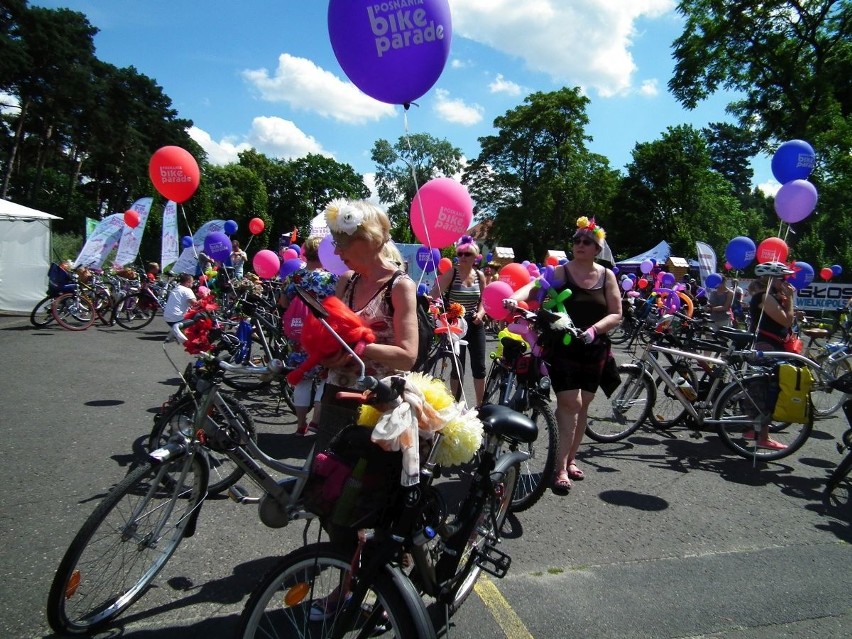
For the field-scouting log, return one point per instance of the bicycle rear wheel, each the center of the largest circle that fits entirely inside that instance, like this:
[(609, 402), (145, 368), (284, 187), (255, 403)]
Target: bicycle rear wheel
[(613, 418), (42, 313), (224, 472), (537, 471), (834, 481), (825, 399), (73, 312), (745, 411), (305, 595), (135, 311), (123, 544)]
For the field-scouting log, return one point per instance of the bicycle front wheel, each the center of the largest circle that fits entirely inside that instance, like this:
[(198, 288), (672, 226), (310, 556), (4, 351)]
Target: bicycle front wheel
[(134, 311), (826, 400), (123, 544), (42, 314), (744, 412), (73, 312), (836, 479), (444, 366), (224, 471), (613, 418), (306, 595), (537, 471)]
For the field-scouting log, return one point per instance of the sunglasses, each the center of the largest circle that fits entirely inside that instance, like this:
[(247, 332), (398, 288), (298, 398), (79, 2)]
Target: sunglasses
[(583, 240), (464, 254)]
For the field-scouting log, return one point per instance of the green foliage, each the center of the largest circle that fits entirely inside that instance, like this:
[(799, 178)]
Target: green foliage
[(65, 246)]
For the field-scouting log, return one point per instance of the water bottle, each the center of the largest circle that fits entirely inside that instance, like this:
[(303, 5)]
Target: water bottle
[(345, 507), (686, 388)]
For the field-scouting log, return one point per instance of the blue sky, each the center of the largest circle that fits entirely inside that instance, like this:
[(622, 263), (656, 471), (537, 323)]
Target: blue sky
[(262, 73)]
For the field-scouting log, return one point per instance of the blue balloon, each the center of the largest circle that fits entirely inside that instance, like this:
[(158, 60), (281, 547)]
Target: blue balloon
[(794, 160), (740, 252), (289, 266), (713, 280), (836, 269), (296, 248), (488, 257), (803, 276), (231, 227), (186, 241), (422, 289)]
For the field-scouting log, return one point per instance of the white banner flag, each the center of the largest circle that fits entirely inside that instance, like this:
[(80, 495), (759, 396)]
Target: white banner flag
[(706, 260), (170, 251), (102, 240), (128, 247), (188, 260)]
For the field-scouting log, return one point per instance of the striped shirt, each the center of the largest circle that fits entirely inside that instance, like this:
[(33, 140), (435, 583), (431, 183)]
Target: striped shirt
[(467, 296)]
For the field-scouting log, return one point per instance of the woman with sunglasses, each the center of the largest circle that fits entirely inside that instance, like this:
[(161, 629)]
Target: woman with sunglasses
[(463, 284), (575, 369)]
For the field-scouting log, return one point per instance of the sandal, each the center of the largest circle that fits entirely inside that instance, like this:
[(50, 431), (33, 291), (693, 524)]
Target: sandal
[(574, 472), (562, 482)]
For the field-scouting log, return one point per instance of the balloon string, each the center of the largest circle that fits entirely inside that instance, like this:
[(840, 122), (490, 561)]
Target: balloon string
[(191, 232)]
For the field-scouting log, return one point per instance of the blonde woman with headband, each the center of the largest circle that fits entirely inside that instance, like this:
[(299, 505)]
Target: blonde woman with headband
[(361, 236)]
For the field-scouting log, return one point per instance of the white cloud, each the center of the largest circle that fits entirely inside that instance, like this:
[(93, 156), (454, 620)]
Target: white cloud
[(455, 63), (304, 86), (502, 85), (456, 111), (649, 88), (220, 153), (583, 42), (9, 104), (274, 137), (770, 187)]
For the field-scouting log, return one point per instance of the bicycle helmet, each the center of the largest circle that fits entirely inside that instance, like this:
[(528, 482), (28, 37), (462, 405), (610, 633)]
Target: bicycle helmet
[(772, 269)]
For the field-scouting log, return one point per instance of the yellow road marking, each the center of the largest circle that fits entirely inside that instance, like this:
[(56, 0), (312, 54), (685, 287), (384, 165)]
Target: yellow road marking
[(509, 622)]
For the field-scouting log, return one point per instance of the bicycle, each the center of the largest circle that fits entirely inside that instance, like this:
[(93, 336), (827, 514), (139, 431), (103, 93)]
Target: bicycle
[(839, 474), (738, 410), (59, 281), (519, 379), (137, 308), (323, 589), (442, 362)]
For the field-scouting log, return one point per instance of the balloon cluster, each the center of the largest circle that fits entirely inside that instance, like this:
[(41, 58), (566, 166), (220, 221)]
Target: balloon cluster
[(791, 166)]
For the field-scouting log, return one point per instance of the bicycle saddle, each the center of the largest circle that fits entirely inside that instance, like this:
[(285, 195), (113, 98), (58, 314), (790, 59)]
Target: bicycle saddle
[(507, 423), (741, 339)]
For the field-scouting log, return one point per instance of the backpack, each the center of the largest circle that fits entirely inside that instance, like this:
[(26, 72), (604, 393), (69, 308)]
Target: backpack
[(425, 325), (793, 403), (294, 319)]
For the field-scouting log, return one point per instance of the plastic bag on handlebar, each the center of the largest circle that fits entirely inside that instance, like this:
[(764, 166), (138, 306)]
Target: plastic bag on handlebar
[(353, 483)]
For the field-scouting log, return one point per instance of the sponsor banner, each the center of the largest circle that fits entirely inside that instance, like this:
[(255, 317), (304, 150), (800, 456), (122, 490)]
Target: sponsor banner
[(188, 260), (128, 247), (170, 250), (102, 240), (706, 260), (823, 296)]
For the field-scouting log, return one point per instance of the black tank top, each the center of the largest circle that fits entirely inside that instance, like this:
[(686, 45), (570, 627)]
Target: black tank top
[(586, 305)]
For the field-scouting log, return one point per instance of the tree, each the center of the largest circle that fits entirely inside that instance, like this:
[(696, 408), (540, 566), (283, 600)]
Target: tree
[(403, 168), (672, 193), (790, 61), (535, 177)]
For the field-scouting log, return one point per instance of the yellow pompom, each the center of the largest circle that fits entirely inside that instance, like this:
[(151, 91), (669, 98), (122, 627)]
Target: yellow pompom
[(582, 222), (368, 416)]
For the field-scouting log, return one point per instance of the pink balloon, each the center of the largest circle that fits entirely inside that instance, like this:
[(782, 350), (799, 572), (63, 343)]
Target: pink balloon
[(441, 212), (289, 254), (492, 299), (266, 264), (329, 259), (795, 201)]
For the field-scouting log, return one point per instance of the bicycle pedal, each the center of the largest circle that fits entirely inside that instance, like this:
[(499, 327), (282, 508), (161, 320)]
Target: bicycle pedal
[(240, 495), (493, 561)]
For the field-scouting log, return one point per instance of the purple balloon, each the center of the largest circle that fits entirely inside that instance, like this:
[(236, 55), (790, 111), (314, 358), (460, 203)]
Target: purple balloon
[(425, 259), (646, 266), (289, 266), (794, 160), (392, 54), (329, 259), (836, 269), (795, 201), (218, 246)]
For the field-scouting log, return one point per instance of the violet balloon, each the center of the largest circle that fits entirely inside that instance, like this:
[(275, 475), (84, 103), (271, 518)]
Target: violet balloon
[(795, 201), (392, 54), (329, 259), (288, 267), (218, 246)]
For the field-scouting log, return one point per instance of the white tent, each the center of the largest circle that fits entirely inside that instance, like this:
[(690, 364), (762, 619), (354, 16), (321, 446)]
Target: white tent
[(24, 256)]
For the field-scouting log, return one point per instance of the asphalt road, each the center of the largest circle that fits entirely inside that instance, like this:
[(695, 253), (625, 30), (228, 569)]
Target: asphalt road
[(666, 537)]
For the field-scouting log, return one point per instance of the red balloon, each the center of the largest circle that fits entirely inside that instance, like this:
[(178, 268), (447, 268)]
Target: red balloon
[(174, 173), (643, 283), (826, 273), (515, 275), (772, 249), (551, 260), (131, 218), (256, 226), (445, 265)]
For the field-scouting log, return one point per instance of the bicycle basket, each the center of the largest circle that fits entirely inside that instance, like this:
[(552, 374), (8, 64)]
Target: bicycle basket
[(58, 279), (354, 482)]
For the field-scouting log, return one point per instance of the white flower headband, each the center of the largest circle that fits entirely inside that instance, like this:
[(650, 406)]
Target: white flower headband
[(343, 217)]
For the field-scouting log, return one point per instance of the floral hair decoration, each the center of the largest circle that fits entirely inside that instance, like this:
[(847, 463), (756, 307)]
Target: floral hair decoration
[(343, 217), (586, 225), (467, 242)]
